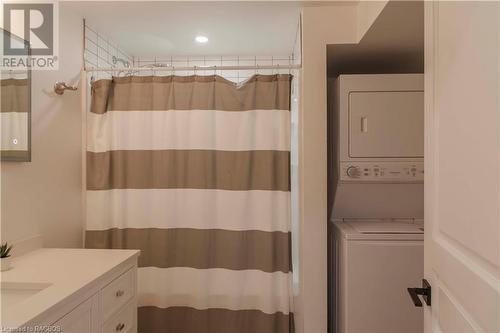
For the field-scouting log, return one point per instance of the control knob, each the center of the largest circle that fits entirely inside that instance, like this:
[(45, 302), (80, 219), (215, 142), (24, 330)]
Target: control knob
[(353, 172)]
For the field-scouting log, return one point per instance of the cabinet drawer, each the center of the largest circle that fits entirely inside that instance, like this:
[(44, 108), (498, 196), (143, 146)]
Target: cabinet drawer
[(123, 321), (117, 293)]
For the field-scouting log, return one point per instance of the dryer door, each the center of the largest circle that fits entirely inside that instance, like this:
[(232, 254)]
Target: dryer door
[(386, 124)]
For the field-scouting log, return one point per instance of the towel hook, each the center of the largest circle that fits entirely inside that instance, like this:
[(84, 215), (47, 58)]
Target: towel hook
[(60, 87)]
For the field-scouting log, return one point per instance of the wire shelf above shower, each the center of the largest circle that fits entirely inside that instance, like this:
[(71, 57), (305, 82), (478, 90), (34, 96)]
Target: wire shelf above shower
[(104, 59)]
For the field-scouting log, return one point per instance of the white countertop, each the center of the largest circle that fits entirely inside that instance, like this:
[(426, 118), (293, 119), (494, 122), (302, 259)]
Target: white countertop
[(68, 271)]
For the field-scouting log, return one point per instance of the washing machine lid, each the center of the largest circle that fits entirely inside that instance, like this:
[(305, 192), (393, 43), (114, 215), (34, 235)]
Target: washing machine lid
[(386, 228), (373, 229)]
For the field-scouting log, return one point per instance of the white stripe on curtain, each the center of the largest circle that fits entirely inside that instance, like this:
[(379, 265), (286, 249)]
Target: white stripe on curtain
[(215, 288), (14, 125), (193, 129), (188, 208)]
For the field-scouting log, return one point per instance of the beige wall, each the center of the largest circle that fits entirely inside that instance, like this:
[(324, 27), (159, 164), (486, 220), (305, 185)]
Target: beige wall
[(43, 197), (367, 12), (321, 26)]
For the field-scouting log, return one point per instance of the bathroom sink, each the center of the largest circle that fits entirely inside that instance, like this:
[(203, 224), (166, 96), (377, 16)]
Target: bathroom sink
[(12, 293)]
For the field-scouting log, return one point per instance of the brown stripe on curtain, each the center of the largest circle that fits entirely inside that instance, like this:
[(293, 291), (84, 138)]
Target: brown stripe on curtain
[(15, 154), (184, 247), (14, 95), (152, 93), (201, 169), (190, 320)]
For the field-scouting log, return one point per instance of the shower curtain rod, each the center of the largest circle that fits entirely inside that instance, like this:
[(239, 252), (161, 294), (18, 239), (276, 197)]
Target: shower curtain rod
[(189, 68)]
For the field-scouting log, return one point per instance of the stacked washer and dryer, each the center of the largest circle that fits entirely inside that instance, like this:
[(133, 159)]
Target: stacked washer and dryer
[(376, 225)]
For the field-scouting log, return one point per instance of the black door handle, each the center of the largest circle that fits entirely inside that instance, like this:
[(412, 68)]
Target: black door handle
[(425, 292), (414, 296)]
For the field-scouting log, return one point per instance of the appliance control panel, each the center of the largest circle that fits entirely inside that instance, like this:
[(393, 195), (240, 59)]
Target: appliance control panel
[(382, 172)]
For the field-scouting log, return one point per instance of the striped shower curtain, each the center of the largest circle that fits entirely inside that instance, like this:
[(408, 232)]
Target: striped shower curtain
[(195, 172)]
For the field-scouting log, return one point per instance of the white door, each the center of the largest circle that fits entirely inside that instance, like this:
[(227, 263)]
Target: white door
[(462, 244)]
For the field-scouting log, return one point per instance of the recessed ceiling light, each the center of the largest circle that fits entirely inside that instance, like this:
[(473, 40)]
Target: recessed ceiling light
[(201, 39)]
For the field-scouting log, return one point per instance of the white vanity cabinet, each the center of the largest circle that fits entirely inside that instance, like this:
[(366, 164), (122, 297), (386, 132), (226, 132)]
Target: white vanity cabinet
[(112, 309), (79, 319), (77, 291)]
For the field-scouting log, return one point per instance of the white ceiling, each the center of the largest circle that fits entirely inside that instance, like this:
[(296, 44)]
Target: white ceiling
[(169, 28)]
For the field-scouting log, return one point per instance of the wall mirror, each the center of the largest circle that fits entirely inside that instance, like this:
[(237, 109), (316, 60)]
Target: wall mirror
[(15, 112)]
